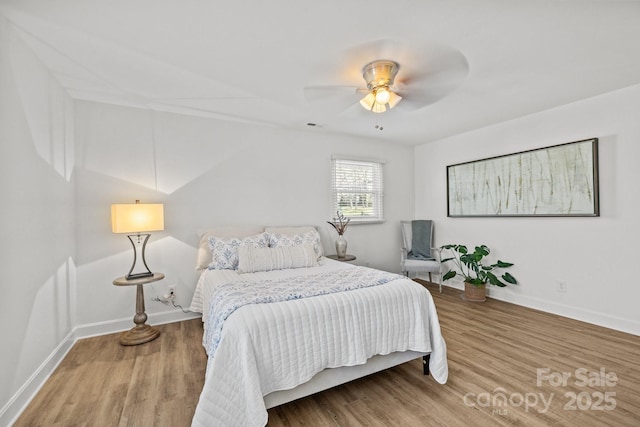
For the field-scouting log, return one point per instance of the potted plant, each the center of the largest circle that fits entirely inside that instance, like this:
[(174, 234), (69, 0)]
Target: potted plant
[(476, 273)]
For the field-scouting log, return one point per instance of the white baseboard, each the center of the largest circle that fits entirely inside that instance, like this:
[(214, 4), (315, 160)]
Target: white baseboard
[(605, 320), (119, 325), (19, 401)]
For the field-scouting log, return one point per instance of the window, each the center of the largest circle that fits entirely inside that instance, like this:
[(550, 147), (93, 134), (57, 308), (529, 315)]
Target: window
[(356, 189)]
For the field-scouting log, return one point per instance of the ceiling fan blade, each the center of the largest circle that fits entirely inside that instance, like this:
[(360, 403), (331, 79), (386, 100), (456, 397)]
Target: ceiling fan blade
[(449, 69), (413, 100), (443, 70), (332, 97)]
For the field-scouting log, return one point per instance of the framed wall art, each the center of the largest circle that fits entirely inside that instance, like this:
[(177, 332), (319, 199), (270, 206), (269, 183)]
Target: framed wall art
[(561, 180)]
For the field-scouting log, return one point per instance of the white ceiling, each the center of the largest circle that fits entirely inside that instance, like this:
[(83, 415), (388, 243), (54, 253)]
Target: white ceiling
[(250, 60)]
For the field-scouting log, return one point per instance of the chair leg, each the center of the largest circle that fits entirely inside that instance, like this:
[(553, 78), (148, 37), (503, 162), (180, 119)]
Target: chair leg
[(439, 284)]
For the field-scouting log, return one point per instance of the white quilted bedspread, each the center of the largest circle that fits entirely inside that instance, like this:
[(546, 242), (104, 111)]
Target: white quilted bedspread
[(278, 346)]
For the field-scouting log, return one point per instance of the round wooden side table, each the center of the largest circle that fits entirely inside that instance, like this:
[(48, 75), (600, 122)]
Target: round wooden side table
[(141, 333), (346, 258)]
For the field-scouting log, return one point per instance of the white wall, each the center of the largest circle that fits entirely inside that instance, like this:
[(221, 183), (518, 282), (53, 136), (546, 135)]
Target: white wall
[(36, 222), (210, 173), (594, 256)]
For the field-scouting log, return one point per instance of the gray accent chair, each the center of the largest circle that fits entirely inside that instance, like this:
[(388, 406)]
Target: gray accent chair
[(417, 266)]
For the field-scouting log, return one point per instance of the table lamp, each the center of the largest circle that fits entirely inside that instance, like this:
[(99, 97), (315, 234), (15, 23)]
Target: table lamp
[(136, 219)]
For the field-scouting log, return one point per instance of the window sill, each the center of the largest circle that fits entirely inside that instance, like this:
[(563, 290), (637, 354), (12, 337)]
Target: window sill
[(365, 221)]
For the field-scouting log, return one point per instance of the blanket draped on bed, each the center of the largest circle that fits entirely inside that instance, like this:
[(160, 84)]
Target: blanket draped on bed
[(231, 296), (278, 346)]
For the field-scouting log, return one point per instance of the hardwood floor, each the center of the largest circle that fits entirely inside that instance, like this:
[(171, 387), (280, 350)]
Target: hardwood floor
[(101, 383), (494, 349)]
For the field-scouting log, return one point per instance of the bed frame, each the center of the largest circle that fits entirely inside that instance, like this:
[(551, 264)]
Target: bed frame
[(335, 376)]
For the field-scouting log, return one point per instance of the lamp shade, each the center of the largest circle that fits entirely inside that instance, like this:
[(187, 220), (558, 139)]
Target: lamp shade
[(137, 217), (378, 108), (368, 101), (394, 98)]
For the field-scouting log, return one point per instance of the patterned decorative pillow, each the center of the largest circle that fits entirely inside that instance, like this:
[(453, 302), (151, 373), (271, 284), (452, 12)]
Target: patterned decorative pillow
[(277, 240), (224, 250), (252, 259), (204, 252)]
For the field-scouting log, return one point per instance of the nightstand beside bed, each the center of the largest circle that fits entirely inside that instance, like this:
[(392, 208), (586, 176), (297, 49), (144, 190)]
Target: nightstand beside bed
[(141, 333)]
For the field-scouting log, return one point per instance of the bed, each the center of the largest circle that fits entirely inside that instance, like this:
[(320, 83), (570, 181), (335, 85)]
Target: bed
[(281, 322)]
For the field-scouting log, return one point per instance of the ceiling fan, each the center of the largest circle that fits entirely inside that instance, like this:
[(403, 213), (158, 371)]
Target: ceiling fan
[(413, 79), (379, 76)]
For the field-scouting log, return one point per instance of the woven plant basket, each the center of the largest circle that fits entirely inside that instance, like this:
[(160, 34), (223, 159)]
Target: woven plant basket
[(475, 293)]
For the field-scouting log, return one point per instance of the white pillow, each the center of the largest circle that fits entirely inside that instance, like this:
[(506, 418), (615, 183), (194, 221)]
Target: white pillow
[(204, 253), (252, 259), (279, 240), (224, 250)]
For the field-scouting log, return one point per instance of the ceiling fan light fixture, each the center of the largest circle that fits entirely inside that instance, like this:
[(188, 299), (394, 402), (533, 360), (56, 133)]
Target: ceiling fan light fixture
[(393, 99), (379, 76), (382, 95), (379, 99), (380, 73), (368, 101), (378, 108)]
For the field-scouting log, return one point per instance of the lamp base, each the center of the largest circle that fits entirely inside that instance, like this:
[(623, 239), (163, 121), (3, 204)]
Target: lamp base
[(139, 334), (138, 275), (140, 247)]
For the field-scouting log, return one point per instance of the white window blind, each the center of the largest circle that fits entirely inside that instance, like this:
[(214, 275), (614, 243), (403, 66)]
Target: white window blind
[(357, 189)]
